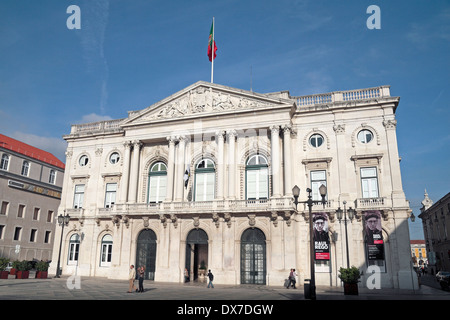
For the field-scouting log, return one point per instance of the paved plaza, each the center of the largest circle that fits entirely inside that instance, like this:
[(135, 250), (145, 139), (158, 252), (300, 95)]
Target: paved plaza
[(89, 288)]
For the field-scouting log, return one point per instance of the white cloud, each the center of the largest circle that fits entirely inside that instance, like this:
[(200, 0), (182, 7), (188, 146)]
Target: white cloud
[(56, 146), (93, 117)]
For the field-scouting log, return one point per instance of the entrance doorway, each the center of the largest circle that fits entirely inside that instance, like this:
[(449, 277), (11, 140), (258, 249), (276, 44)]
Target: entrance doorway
[(197, 255), (253, 257), (146, 253)]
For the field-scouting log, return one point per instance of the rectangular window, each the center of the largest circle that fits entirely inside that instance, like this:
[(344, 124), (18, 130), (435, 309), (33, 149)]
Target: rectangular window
[(74, 247), (33, 235), (110, 198), (78, 196), (4, 209), (318, 178), (257, 184), (369, 182), (17, 232), (47, 236), (21, 211), (36, 213), (204, 186), (49, 216), (2, 227), (157, 188)]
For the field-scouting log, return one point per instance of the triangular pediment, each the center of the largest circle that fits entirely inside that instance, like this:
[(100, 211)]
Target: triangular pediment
[(204, 99)]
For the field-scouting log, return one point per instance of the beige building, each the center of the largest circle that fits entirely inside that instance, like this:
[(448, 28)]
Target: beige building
[(204, 178), (436, 228), (30, 192)]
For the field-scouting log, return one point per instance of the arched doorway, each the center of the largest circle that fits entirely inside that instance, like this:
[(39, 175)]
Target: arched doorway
[(146, 253), (253, 257), (196, 254)]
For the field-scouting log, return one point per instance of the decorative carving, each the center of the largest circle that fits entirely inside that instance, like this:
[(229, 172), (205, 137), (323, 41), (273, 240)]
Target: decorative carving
[(116, 221), (287, 217), (339, 128), (216, 219), (202, 100), (146, 224), (227, 218), (196, 222), (163, 220), (252, 220), (274, 218), (390, 124), (126, 221), (174, 220)]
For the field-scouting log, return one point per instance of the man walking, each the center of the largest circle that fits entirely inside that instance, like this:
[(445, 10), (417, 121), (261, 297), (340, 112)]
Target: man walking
[(211, 278)]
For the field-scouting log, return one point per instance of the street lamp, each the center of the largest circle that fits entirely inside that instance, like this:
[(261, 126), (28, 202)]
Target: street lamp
[(310, 202), (62, 221), (351, 214)]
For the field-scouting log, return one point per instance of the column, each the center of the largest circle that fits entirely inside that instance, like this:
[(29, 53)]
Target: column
[(231, 163), (170, 169), (220, 164), (287, 161), (134, 172), (275, 155), (125, 173), (179, 185)]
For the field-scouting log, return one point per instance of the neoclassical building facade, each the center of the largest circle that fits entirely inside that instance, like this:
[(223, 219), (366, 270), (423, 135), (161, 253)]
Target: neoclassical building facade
[(204, 179)]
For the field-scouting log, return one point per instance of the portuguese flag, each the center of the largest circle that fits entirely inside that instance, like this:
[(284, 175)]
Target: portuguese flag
[(212, 44)]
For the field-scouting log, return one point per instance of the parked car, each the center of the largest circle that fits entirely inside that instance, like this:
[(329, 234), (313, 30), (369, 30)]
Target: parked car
[(442, 275)]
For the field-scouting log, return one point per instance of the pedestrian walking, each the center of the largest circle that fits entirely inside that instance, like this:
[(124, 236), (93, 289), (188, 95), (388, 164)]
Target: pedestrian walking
[(294, 278), (211, 278), (141, 274), (291, 279), (131, 278), (186, 275)]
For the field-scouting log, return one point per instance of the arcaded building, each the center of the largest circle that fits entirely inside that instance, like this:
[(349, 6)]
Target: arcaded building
[(203, 179)]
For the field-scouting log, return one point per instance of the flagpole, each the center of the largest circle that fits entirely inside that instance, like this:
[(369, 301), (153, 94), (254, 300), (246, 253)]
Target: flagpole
[(212, 55)]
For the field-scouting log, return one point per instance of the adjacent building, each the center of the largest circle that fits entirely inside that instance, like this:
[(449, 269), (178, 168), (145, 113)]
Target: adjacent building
[(203, 179), (419, 253), (436, 228), (30, 192)]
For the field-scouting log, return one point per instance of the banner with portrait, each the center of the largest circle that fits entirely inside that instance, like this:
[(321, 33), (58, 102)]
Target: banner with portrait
[(320, 236), (373, 235)]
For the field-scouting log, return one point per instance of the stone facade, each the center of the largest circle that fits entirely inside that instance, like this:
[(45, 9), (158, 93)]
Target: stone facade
[(205, 177)]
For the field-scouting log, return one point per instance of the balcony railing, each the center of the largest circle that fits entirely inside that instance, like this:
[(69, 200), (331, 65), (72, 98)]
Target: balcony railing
[(187, 207), (342, 96), (229, 206)]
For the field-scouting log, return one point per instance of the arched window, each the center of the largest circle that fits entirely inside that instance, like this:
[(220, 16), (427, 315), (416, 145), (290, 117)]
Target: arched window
[(106, 252), (205, 175), (257, 177), (25, 168), (52, 177), (157, 183), (74, 249), (4, 162)]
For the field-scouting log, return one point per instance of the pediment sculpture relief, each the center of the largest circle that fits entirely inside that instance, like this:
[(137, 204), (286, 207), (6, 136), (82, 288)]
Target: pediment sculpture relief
[(202, 100)]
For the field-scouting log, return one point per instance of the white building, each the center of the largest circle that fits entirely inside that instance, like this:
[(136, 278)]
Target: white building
[(125, 189)]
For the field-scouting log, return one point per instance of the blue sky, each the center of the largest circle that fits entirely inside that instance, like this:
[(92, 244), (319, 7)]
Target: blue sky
[(130, 54)]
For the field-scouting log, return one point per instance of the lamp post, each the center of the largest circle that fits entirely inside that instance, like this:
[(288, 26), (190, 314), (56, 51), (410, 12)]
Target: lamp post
[(351, 214), (62, 221), (310, 202)]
